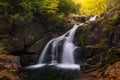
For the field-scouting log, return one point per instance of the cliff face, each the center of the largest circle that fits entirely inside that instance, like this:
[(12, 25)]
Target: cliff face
[(100, 52)]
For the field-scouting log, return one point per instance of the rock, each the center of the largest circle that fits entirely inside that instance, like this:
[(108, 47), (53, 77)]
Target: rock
[(5, 25), (11, 44), (84, 53), (85, 77), (101, 49), (19, 35), (34, 51), (116, 37), (77, 19), (29, 59), (109, 72), (9, 66), (29, 32), (112, 72), (38, 45)]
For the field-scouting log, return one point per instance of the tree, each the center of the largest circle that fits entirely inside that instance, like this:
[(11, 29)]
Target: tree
[(44, 5), (112, 3), (67, 7), (92, 7)]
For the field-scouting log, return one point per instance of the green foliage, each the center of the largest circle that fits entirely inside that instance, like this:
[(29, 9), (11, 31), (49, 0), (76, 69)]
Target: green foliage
[(112, 3), (4, 78), (57, 18), (3, 3), (14, 4), (114, 19), (92, 7), (19, 17), (44, 5), (23, 9), (67, 7)]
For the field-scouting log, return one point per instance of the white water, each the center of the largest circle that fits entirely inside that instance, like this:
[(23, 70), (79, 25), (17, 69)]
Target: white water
[(66, 41), (93, 18)]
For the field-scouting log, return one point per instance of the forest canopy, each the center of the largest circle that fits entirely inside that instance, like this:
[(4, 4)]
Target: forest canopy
[(64, 7), (93, 7)]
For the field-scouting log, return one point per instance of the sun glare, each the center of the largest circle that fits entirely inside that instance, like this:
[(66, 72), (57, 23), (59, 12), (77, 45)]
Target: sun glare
[(91, 7)]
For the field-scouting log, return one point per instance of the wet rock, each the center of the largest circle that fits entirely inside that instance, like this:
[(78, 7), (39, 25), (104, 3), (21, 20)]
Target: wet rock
[(84, 53), (5, 25), (79, 18), (29, 59), (38, 45), (9, 66)]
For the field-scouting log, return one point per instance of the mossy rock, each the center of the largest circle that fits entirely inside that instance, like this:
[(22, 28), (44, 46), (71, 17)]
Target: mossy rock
[(80, 35)]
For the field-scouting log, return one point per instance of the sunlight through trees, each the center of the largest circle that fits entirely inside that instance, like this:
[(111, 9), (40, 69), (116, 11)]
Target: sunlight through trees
[(91, 7)]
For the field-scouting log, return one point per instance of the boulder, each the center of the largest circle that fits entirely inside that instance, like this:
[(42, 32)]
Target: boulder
[(38, 45), (28, 32)]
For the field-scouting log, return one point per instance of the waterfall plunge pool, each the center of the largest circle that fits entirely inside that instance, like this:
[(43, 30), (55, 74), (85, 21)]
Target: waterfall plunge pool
[(56, 65), (52, 72)]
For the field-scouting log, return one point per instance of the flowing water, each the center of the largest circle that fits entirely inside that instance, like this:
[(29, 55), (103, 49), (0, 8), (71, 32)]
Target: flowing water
[(94, 18), (63, 45)]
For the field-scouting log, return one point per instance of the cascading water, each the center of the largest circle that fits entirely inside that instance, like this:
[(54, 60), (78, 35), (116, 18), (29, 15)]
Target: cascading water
[(63, 45)]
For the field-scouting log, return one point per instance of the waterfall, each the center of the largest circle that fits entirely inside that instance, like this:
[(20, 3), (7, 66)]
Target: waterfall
[(63, 45), (94, 18)]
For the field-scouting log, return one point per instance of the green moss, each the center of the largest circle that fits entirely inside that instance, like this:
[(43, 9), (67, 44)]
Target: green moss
[(104, 55), (109, 30), (108, 55), (57, 19), (2, 47), (114, 19), (80, 36), (103, 43), (5, 78)]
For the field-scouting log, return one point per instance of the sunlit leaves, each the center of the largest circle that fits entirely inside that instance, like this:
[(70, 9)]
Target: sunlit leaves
[(92, 7), (46, 5), (67, 6)]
